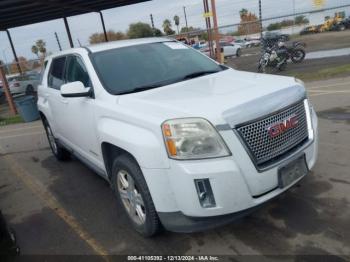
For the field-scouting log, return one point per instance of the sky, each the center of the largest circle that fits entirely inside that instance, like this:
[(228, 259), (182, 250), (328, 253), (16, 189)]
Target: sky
[(118, 19)]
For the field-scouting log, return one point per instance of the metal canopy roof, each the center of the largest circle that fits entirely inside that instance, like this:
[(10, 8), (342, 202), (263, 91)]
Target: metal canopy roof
[(15, 13)]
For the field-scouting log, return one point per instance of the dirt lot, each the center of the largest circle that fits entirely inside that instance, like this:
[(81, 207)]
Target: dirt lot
[(64, 208), (325, 41)]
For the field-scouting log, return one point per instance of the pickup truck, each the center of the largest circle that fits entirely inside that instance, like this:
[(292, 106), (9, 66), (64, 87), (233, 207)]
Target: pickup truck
[(186, 143)]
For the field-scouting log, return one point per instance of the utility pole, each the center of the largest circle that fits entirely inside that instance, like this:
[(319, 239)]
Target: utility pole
[(58, 41), (152, 22), (185, 18), (260, 20), (7, 91), (216, 30), (208, 25)]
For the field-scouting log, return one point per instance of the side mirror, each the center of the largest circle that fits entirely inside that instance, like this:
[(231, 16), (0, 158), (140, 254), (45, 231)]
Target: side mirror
[(75, 89)]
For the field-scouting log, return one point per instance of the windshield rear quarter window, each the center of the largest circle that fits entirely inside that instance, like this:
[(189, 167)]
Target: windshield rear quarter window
[(124, 69)]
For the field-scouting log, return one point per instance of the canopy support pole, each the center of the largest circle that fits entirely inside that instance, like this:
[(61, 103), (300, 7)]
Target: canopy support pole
[(14, 51), (103, 26), (68, 32)]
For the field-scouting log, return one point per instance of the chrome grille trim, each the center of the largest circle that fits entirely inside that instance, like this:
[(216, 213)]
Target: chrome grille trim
[(265, 150)]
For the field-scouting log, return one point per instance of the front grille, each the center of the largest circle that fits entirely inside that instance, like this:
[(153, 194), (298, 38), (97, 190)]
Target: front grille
[(265, 149)]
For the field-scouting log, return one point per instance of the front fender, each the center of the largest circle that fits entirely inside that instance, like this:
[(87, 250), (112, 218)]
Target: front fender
[(145, 145)]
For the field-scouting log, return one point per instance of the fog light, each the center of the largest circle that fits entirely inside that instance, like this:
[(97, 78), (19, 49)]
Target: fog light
[(205, 193)]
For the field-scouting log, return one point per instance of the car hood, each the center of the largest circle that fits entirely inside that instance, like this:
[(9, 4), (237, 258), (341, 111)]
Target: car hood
[(229, 96)]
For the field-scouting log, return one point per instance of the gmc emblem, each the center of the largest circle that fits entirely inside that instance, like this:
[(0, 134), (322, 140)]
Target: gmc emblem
[(283, 126)]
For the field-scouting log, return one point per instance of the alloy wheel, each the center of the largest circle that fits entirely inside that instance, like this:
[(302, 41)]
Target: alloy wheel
[(131, 197)]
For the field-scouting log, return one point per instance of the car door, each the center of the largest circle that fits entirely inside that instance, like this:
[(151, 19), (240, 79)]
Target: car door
[(228, 50), (53, 96), (80, 128)]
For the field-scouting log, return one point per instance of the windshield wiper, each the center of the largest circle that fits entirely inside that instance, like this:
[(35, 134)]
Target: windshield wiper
[(200, 73), (142, 88)]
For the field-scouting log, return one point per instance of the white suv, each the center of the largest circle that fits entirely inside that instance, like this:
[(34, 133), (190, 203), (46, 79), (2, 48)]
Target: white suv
[(185, 142)]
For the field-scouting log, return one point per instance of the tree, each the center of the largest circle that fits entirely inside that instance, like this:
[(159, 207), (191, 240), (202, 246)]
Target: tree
[(167, 27), (300, 20), (5, 67), (249, 23), (243, 12), (35, 50), (139, 30), (111, 35), (177, 22), (189, 29), (274, 26), (39, 48), (157, 32), (23, 63)]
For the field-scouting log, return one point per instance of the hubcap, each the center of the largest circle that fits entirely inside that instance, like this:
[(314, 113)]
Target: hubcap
[(131, 197), (52, 140)]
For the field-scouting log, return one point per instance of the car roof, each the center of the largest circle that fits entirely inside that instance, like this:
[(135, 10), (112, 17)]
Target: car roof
[(111, 45), (127, 42)]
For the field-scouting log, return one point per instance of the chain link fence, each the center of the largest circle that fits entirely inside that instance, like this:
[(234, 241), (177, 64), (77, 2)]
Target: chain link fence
[(290, 44)]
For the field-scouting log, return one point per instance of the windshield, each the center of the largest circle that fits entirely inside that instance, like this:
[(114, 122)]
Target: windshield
[(141, 67)]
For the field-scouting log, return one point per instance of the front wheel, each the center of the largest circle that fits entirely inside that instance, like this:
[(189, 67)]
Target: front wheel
[(238, 52), (298, 55), (59, 152), (134, 196)]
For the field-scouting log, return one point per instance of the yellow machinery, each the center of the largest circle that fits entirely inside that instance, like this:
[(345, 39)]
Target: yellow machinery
[(330, 22)]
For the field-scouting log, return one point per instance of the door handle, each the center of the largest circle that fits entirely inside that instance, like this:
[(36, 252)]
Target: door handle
[(64, 101)]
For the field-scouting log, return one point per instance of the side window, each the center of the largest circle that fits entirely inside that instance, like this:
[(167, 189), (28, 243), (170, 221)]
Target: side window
[(76, 71), (56, 79)]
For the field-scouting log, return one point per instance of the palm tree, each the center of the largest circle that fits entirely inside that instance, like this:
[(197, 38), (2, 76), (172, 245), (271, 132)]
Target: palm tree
[(35, 50), (41, 46), (177, 22), (167, 26)]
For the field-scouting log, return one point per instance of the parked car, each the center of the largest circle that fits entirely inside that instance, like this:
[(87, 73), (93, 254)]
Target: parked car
[(275, 36), (26, 83), (185, 142), (341, 25), (246, 43), (309, 30), (228, 49)]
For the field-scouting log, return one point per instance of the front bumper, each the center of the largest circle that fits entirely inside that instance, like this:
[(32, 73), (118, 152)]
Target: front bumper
[(238, 187)]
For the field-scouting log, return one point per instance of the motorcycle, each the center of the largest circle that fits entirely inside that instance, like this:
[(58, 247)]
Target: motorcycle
[(273, 58), (277, 55), (296, 52)]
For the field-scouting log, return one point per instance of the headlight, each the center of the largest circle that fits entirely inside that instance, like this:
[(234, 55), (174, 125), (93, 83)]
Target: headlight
[(193, 138)]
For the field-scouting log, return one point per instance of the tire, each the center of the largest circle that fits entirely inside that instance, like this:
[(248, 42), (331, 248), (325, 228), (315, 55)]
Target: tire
[(298, 58), (261, 67), (30, 90), (133, 195), (58, 151), (342, 28), (238, 52), (282, 67)]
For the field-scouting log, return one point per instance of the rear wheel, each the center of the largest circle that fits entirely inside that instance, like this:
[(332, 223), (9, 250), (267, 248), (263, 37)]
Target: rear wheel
[(133, 194), (238, 52), (59, 152), (298, 55)]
